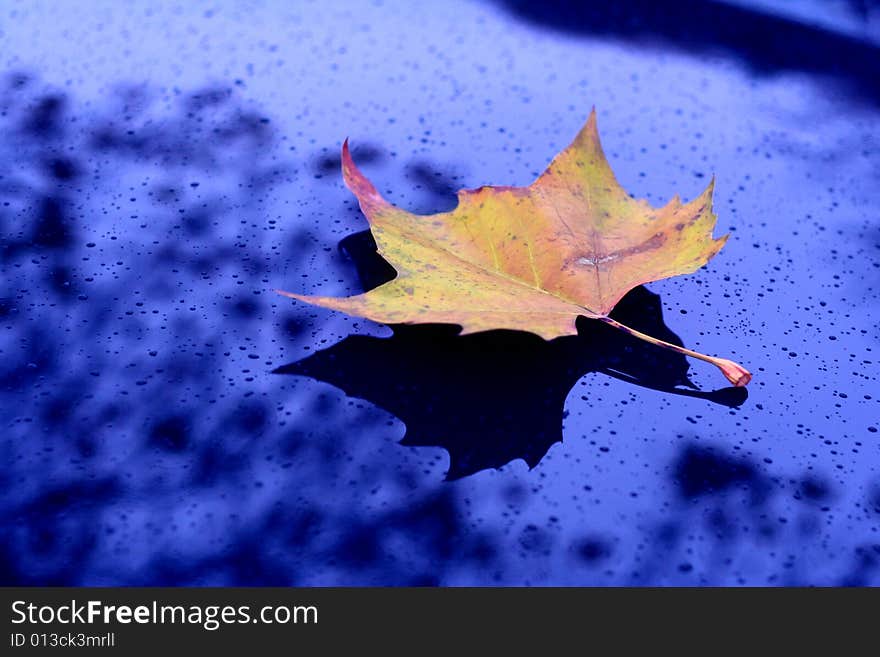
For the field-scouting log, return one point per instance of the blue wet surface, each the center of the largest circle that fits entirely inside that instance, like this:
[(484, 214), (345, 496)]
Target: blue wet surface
[(168, 419)]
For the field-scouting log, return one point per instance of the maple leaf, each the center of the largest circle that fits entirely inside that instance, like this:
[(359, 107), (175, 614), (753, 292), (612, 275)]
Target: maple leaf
[(532, 258), (491, 397)]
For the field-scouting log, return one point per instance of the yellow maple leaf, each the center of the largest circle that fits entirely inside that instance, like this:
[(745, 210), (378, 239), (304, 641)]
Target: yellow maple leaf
[(532, 258)]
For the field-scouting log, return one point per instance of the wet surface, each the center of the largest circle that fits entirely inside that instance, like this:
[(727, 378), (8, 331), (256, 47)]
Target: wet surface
[(168, 419)]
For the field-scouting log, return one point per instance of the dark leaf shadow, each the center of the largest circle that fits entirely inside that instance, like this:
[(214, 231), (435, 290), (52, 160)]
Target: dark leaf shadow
[(490, 398)]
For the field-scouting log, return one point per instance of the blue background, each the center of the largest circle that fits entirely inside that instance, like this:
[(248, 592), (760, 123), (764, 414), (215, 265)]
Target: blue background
[(164, 167)]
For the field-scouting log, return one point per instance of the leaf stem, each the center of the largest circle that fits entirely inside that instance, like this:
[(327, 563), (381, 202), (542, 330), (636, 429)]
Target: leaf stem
[(735, 373)]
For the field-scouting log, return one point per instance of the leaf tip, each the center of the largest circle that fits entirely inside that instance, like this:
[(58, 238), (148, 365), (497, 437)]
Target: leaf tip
[(674, 202), (592, 122), (706, 196), (367, 194), (348, 165), (587, 140)]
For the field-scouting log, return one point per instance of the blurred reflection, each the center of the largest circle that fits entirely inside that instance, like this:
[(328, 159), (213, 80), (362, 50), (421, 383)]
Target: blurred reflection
[(765, 42)]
